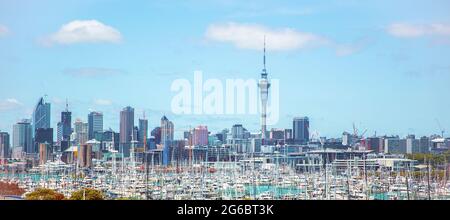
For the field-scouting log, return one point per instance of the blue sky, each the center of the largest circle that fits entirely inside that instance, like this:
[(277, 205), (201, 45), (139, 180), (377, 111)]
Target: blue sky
[(381, 64)]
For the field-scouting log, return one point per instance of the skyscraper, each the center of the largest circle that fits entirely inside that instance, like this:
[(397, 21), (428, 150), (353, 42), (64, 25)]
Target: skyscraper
[(237, 131), (264, 86), (200, 136), (4, 146), (143, 130), (126, 125), (22, 136), (126, 129), (156, 133), (167, 130), (301, 130), (65, 128), (41, 115), (95, 123), (43, 136), (58, 133), (80, 132)]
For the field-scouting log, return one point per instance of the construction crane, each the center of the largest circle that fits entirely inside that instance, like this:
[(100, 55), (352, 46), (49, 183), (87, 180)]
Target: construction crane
[(358, 138), (356, 131), (315, 135), (442, 130)]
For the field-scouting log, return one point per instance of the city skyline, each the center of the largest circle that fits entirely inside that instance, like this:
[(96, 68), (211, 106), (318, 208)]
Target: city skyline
[(387, 75)]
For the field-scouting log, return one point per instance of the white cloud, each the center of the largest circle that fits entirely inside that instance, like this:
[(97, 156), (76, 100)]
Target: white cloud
[(3, 30), (345, 50), (352, 48), (250, 36), (405, 30), (102, 102), (9, 104), (84, 31), (92, 72)]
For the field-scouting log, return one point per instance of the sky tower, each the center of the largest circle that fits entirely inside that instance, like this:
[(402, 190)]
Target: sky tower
[(264, 86)]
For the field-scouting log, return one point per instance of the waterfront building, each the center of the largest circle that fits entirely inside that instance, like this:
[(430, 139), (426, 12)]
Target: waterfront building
[(393, 145), (425, 144), (412, 145), (374, 144), (346, 139)]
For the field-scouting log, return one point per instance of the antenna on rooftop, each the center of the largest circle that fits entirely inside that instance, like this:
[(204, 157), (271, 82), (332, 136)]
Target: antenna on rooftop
[(264, 60)]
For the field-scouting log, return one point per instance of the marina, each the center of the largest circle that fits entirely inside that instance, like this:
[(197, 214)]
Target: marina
[(232, 181)]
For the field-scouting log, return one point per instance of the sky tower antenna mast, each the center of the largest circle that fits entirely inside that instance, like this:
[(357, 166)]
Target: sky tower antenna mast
[(264, 86)]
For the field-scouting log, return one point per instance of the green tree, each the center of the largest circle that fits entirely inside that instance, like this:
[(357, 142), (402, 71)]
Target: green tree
[(87, 194), (44, 194), (433, 159)]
